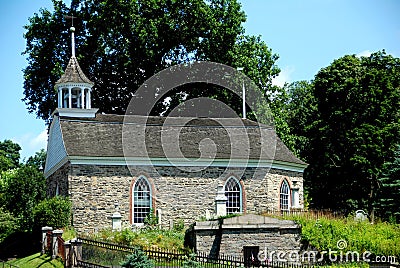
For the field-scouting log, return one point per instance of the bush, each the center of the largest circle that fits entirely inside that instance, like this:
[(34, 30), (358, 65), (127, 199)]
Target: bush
[(143, 238), (54, 212), (190, 262), (24, 189), (138, 259), (151, 220), (8, 224), (179, 226)]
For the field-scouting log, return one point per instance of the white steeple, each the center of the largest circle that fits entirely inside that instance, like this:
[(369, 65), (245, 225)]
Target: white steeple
[(74, 89)]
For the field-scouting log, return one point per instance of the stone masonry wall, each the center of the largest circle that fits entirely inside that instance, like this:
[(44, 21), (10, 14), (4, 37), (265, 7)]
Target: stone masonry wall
[(233, 241), (58, 179), (178, 194), (230, 236)]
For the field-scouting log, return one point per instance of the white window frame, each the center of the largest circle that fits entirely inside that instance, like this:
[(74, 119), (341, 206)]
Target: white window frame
[(284, 196), (136, 220), (229, 193)]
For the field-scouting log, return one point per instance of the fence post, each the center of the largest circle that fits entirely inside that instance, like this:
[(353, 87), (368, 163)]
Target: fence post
[(68, 255), (44, 238), (75, 254), (54, 244)]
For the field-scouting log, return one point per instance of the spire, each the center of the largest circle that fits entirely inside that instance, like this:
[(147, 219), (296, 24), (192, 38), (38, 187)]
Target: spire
[(72, 29), (74, 88), (73, 73)]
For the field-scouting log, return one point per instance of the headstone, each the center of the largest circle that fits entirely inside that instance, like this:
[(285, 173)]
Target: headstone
[(361, 215), (220, 201), (116, 219)]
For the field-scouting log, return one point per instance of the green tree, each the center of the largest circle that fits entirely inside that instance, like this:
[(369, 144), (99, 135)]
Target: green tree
[(354, 130), (54, 212), (388, 201), (38, 160), (9, 155), (8, 224), (293, 107), (24, 190), (122, 43)]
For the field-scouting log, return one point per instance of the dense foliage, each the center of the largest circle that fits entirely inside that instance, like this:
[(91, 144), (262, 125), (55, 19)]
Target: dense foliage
[(9, 155), (121, 44), (23, 194), (24, 190), (381, 239), (8, 224), (144, 238), (388, 200), (345, 124), (138, 259), (54, 212)]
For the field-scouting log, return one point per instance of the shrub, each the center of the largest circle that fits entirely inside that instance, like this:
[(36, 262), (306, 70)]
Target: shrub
[(143, 238), (138, 259), (8, 224), (24, 189), (190, 262), (151, 220), (54, 212), (179, 226)]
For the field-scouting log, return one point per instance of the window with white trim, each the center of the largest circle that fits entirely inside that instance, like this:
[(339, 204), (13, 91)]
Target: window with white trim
[(141, 200), (284, 196), (233, 191)]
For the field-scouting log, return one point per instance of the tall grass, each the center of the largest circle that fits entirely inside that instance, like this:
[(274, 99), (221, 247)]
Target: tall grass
[(144, 238), (381, 239)]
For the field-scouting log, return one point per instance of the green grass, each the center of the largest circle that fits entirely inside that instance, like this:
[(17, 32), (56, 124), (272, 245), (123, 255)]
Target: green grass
[(381, 239), (144, 239), (37, 260)]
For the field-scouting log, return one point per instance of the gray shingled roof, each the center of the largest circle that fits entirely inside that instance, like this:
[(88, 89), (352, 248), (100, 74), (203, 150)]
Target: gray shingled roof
[(73, 73), (233, 138)]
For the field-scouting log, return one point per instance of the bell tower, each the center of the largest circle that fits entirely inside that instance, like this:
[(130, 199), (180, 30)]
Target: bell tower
[(74, 89)]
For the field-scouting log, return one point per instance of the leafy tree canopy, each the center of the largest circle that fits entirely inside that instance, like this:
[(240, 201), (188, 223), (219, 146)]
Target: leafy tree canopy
[(120, 44), (388, 201), (9, 155), (354, 129), (38, 160), (25, 188)]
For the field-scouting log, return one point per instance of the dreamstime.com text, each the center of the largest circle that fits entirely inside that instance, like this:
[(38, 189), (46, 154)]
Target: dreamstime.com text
[(333, 256)]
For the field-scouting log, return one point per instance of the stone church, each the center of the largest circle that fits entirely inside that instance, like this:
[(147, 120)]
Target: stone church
[(90, 161)]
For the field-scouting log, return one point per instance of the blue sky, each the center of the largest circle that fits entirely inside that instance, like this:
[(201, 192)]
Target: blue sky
[(307, 35)]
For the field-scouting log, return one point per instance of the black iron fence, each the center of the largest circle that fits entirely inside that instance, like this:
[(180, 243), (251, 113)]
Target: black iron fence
[(96, 254), (4, 264)]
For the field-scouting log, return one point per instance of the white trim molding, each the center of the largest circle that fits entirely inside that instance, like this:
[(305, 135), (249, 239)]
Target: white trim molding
[(142, 161)]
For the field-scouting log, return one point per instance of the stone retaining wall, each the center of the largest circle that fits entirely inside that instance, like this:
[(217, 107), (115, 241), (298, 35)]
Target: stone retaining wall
[(232, 235)]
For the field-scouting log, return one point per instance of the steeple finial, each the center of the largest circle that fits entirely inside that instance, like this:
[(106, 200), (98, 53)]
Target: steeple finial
[(72, 29)]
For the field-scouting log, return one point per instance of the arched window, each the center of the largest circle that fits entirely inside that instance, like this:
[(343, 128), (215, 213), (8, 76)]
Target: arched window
[(141, 200), (284, 196), (233, 191)]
